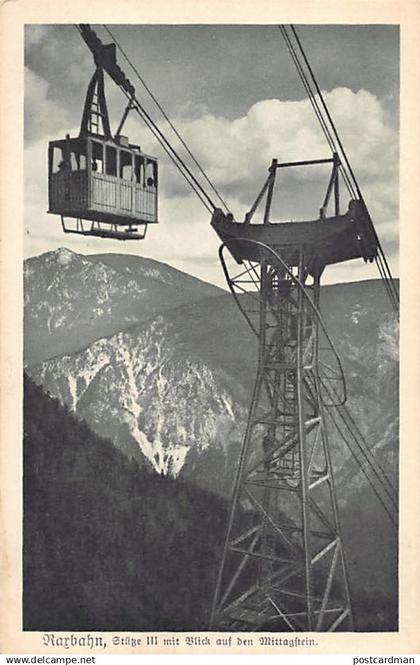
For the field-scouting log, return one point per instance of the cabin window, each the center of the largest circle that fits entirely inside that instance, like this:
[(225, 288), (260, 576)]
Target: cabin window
[(56, 159), (78, 158), (111, 160), (97, 157), (126, 165), (139, 169), (75, 160), (151, 174)]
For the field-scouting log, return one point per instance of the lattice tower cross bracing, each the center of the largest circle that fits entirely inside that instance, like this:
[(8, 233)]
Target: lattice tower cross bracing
[(283, 564)]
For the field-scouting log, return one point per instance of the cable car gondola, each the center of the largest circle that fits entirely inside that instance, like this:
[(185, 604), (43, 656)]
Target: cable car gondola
[(103, 182)]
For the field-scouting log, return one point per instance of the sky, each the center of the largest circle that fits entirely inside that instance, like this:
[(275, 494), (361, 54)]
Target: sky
[(235, 96)]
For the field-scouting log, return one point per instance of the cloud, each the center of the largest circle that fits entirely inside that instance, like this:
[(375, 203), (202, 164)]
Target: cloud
[(35, 35), (236, 154), (288, 130), (57, 72), (43, 116)]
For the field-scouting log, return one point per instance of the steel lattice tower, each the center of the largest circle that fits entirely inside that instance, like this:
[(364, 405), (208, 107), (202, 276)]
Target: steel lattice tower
[(283, 565)]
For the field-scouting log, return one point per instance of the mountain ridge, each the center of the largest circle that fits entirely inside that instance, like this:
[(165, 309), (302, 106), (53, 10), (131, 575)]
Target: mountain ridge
[(207, 333), (173, 392), (69, 297)]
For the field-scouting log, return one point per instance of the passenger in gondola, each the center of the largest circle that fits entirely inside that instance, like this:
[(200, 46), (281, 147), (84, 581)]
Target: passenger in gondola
[(94, 165)]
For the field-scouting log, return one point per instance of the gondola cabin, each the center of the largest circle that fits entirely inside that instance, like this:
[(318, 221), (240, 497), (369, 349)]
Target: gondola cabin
[(103, 184), (110, 182)]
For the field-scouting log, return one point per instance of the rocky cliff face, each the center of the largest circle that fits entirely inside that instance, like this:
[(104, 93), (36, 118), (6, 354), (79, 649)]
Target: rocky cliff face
[(72, 300), (139, 388), (367, 338), (173, 390), (163, 365)]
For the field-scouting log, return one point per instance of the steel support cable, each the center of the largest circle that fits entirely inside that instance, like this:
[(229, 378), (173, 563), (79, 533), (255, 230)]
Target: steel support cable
[(373, 465), (387, 269), (360, 442), (176, 163), (296, 281), (179, 163), (327, 113), (364, 471), (387, 272), (382, 264), (170, 123), (315, 106), (387, 490), (359, 439), (189, 177), (385, 279), (392, 294), (376, 467), (388, 276), (380, 259), (184, 170), (387, 283), (344, 155), (313, 100), (306, 85), (366, 468)]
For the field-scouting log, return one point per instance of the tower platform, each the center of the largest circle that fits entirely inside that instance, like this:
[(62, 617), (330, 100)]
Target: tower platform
[(327, 240)]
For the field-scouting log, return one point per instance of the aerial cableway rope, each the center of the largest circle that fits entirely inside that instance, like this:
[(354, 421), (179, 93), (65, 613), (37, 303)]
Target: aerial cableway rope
[(321, 111), (372, 470), (382, 498), (172, 153), (381, 261), (343, 421), (314, 103), (330, 132), (168, 120), (374, 465), (168, 148)]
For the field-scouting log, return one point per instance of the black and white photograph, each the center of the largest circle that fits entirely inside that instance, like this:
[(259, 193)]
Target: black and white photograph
[(207, 393), (211, 328)]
